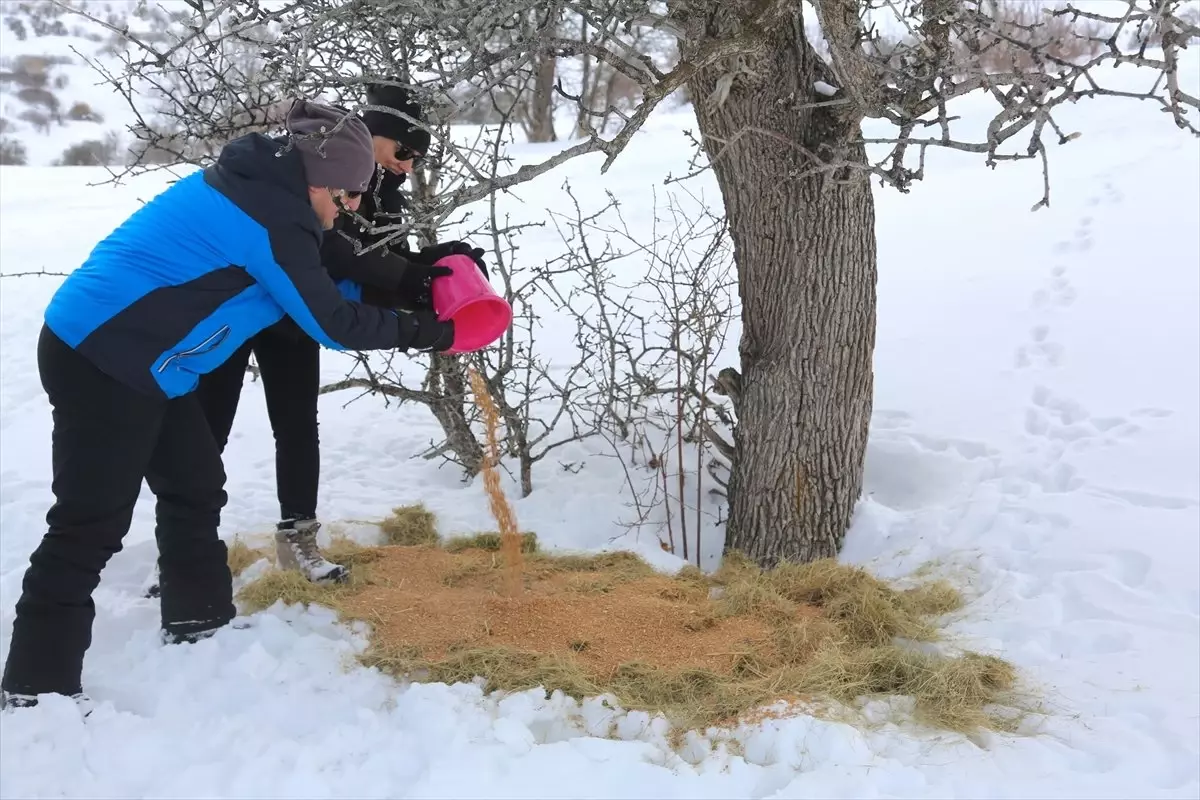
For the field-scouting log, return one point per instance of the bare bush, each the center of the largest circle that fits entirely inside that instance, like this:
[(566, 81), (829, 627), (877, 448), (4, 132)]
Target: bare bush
[(1149, 33), (32, 72), (44, 18), (40, 98), (472, 107), (38, 120), (82, 112), (90, 34), (651, 313), (17, 26), (92, 153), (12, 152), (1026, 38)]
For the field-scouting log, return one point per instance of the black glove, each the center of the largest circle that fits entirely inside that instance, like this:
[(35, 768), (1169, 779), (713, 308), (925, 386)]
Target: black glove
[(416, 284), (422, 330), (435, 252)]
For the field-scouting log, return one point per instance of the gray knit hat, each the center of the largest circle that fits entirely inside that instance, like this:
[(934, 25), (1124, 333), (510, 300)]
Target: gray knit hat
[(343, 159)]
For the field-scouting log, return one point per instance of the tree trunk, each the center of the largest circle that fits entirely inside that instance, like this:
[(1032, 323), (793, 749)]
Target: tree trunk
[(447, 382), (806, 259), (540, 102)]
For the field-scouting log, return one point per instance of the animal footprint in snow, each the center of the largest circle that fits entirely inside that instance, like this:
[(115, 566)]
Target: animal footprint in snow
[(1059, 292), (1061, 478), (1083, 235), (1057, 477), (1068, 424), (1041, 351), (1067, 411), (1062, 293), (1110, 195), (1080, 241)]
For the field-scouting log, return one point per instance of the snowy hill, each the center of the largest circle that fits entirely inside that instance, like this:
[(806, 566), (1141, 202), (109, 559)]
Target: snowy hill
[(54, 106)]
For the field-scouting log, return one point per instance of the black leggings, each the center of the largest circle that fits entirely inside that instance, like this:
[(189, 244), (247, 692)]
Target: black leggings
[(107, 437), (289, 365)]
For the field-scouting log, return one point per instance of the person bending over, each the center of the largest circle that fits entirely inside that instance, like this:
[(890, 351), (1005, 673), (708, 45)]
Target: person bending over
[(168, 296), (289, 361)]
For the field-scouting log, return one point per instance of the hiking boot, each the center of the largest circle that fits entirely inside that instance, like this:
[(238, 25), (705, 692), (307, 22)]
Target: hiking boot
[(183, 634), (15, 701), (296, 549)]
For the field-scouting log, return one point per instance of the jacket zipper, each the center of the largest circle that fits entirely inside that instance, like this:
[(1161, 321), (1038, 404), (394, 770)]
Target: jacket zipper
[(211, 343)]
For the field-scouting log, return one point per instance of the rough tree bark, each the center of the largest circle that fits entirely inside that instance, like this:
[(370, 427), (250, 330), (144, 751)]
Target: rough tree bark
[(806, 258), (539, 109)]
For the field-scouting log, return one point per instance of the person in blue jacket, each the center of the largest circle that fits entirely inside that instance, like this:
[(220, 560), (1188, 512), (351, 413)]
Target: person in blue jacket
[(162, 300)]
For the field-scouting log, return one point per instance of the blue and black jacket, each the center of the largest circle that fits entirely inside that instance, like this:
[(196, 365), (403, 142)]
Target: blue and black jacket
[(208, 263)]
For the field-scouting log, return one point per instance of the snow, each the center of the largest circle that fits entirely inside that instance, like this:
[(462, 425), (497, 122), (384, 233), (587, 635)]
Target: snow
[(1035, 439)]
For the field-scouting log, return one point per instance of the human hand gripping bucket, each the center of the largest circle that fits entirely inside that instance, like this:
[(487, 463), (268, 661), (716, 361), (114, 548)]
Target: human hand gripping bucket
[(480, 315)]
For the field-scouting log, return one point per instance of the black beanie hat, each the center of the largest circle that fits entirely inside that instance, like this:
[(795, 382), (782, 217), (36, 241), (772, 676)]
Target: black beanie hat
[(344, 159), (390, 126)]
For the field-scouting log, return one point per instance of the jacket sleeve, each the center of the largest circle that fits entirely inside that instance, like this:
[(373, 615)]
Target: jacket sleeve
[(380, 267), (289, 268)]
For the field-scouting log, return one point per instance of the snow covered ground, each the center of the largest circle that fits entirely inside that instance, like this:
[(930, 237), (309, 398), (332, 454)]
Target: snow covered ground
[(1036, 436)]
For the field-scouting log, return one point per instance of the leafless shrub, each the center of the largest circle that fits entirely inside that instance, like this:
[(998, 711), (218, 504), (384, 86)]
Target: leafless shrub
[(82, 112), (1149, 33), (30, 72), (40, 121), (652, 311), (45, 18), (1026, 39), (40, 98), (491, 108), (92, 153), (17, 26), (90, 34), (12, 152), (41, 63)]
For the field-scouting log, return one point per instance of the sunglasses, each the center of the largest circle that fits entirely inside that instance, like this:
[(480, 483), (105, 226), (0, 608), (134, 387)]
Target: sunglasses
[(342, 195), (406, 153)]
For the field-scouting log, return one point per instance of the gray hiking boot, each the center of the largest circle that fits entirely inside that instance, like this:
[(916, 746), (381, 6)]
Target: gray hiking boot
[(296, 549), (8, 700)]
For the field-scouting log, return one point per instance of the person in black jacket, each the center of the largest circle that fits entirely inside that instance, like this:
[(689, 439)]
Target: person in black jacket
[(289, 361), (161, 301)]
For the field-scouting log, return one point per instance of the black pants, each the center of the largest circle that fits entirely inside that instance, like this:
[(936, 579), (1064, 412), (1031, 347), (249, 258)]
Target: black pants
[(108, 437), (289, 364)]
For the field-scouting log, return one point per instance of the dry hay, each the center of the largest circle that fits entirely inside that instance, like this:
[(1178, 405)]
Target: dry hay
[(702, 650), (489, 540), (410, 525), (240, 556)]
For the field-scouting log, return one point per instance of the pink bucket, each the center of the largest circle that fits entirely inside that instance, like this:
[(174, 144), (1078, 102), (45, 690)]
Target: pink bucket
[(480, 315)]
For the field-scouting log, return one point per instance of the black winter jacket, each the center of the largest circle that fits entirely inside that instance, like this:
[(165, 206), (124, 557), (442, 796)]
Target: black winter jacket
[(379, 271)]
